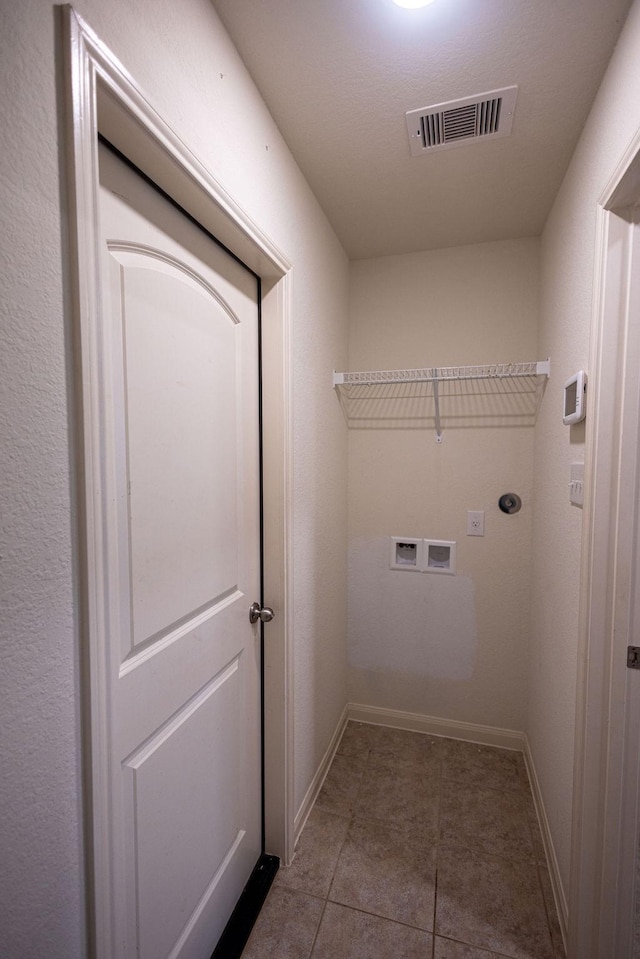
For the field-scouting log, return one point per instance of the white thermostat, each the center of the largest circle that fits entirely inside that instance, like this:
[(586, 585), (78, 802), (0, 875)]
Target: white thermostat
[(575, 398)]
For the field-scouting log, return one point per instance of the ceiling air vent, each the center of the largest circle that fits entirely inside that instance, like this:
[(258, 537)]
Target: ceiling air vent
[(446, 125)]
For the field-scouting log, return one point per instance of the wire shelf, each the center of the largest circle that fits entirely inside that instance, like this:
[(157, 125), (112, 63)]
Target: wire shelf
[(493, 394), (489, 371)]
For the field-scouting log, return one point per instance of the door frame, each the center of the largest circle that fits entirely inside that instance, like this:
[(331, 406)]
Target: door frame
[(102, 98), (605, 829)]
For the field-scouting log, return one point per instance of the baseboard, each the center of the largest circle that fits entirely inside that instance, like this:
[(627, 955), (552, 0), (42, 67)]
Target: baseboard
[(554, 872), (316, 783), (417, 722)]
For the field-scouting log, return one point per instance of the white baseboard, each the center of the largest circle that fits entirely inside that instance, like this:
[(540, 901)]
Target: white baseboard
[(552, 861), (471, 732), (316, 783)]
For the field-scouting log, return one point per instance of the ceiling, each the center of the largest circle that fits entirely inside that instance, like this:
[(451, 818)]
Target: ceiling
[(339, 75)]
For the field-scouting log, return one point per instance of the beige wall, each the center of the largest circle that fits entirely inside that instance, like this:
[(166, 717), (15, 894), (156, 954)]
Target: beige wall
[(453, 647), (181, 56), (568, 252)]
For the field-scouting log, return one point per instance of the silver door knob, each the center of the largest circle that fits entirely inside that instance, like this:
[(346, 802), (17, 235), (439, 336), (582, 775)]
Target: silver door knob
[(263, 613)]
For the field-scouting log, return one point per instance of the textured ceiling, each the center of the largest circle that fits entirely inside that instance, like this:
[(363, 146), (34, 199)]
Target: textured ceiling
[(339, 76)]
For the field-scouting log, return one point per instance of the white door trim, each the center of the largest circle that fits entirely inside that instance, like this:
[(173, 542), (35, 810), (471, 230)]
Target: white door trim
[(607, 766), (101, 97)]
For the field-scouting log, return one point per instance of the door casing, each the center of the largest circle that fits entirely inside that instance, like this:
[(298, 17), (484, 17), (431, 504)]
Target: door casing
[(607, 757), (102, 98)]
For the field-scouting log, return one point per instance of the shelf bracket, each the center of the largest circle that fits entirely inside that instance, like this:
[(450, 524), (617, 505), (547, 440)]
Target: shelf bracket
[(436, 407)]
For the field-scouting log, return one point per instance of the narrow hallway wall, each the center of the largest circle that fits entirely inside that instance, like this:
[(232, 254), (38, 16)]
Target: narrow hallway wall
[(452, 647), (567, 270), (182, 58)]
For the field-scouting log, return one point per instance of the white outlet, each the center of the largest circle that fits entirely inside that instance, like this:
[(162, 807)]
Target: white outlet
[(475, 522)]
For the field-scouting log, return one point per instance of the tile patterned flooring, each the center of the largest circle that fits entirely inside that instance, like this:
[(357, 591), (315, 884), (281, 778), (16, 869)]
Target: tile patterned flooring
[(418, 847)]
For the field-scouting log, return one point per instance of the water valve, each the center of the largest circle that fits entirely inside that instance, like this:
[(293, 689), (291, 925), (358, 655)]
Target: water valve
[(510, 503)]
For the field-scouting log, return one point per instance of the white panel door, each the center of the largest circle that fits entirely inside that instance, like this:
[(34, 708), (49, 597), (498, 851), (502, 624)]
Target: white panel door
[(179, 393)]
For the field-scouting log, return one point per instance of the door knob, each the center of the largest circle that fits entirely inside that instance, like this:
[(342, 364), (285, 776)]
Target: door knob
[(263, 613)]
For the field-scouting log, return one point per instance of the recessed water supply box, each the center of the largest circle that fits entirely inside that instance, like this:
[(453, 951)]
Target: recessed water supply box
[(439, 556), (406, 553)]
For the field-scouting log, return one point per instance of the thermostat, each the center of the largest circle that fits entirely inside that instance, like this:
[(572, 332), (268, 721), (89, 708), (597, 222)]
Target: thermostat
[(575, 398)]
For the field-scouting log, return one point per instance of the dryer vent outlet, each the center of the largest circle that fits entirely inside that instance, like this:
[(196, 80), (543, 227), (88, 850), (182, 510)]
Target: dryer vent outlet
[(485, 116)]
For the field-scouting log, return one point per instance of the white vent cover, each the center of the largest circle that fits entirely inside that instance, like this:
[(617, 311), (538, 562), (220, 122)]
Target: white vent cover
[(446, 125)]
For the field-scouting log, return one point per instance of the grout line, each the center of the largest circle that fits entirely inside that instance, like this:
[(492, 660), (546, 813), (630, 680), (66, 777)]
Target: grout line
[(315, 938), (377, 915), (481, 949), (437, 849), (350, 820), (351, 815), (523, 791), (333, 874)]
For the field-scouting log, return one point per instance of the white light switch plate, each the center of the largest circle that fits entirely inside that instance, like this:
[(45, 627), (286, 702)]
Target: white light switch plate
[(576, 484)]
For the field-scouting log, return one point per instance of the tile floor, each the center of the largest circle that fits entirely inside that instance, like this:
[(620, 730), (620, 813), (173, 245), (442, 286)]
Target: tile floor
[(418, 847)]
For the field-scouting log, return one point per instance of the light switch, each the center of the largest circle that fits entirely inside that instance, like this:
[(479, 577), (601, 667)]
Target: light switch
[(576, 484)]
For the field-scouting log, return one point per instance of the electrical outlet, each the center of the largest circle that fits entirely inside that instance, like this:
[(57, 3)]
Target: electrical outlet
[(475, 522)]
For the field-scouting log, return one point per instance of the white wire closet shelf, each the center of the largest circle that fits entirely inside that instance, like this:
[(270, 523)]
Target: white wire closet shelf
[(493, 394)]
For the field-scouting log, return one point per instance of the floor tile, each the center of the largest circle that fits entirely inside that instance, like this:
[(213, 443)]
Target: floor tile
[(524, 775), (356, 740), (389, 871), (528, 795), (286, 928), (407, 825), (341, 786), (488, 820), (402, 797), (348, 934), (474, 765), (316, 854), (400, 748), (538, 845), (448, 949), (492, 903)]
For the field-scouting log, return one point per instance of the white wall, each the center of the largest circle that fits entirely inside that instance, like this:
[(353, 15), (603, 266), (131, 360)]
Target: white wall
[(568, 252), (181, 56), (453, 647)]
